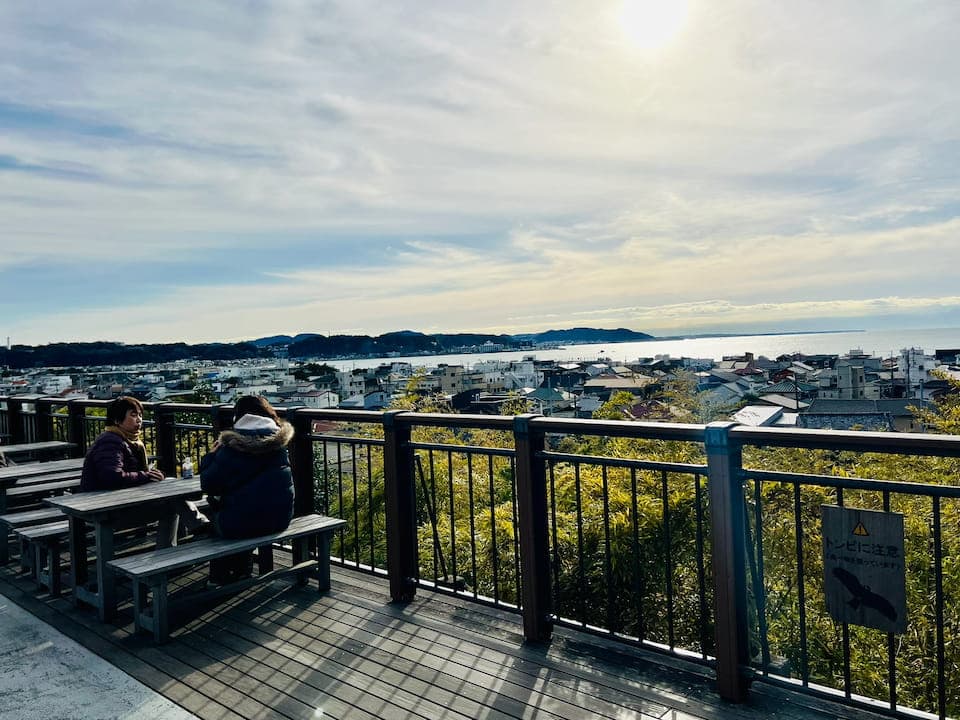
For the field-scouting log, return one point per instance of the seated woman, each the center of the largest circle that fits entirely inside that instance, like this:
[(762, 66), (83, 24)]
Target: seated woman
[(248, 481), (117, 458)]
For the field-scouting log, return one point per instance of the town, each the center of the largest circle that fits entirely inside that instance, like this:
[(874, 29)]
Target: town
[(851, 391)]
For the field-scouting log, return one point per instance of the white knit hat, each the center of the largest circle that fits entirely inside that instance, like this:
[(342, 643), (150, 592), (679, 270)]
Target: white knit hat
[(256, 425)]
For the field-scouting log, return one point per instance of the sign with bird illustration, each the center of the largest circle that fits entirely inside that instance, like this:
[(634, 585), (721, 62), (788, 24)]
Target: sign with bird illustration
[(864, 573)]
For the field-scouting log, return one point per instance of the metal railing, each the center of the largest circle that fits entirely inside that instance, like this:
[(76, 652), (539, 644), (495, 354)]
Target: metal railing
[(699, 541)]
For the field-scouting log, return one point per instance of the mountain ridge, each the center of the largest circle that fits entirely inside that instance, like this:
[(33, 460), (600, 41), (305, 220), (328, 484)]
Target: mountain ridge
[(302, 345)]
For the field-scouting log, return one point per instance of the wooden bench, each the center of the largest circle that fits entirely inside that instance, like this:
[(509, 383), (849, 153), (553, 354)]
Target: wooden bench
[(150, 571), (44, 543), (11, 521), (36, 491)]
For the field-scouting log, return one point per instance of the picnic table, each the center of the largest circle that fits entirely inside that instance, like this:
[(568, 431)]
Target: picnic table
[(36, 449), (109, 511), (32, 469), (16, 475)]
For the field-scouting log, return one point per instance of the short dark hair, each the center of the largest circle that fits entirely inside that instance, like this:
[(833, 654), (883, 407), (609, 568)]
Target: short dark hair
[(118, 409), (254, 405)]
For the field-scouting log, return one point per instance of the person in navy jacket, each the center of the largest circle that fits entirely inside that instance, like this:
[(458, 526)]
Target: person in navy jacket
[(248, 480)]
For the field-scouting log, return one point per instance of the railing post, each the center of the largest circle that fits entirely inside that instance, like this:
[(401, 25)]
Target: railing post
[(402, 561), (44, 418), (15, 420), (165, 419), (729, 560), (301, 461), (76, 433), (534, 534)]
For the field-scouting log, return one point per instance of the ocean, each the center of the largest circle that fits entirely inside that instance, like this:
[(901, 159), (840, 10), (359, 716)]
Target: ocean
[(884, 343)]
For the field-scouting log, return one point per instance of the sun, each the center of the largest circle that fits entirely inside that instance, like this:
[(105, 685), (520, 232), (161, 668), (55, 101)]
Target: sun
[(652, 24)]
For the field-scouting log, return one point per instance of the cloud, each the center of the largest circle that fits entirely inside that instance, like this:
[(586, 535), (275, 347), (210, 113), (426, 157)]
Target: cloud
[(217, 170)]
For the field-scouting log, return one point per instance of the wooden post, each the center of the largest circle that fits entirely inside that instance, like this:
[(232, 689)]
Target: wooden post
[(164, 419), (15, 421), (402, 561), (75, 429), (44, 419), (724, 460), (534, 537), (301, 461)]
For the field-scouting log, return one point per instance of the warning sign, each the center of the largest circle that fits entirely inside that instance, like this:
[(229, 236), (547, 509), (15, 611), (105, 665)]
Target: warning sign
[(864, 571)]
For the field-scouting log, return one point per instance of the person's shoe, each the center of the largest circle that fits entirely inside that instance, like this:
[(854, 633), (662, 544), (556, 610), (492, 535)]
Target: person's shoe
[(203, 530)]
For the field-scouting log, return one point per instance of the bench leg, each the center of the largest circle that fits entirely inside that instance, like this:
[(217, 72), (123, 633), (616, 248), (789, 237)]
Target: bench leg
[(265, 558), (161, 628), (300, 553), (139, 605), (34, 550), (26, 556), (78, 557), (53, 567), (106, 582), (5, 548)]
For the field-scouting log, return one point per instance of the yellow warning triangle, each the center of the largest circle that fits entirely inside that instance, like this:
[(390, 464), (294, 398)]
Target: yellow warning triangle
[(860, 529)]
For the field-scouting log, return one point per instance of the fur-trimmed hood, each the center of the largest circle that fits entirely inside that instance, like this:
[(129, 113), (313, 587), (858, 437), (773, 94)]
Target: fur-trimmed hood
[(258, 444)]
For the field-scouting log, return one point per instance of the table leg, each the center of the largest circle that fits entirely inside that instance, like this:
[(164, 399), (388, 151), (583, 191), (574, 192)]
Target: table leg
[(167, 530), (106, 582), (78, 557), (5, 545)]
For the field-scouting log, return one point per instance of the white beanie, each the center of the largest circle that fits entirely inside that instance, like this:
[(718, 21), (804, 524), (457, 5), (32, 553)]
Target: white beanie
[(256, 425)]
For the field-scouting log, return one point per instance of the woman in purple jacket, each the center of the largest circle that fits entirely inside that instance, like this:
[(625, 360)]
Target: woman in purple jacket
[(117, 458)]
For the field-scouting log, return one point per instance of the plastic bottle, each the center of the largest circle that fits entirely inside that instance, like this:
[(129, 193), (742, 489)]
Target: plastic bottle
[(186, 468)]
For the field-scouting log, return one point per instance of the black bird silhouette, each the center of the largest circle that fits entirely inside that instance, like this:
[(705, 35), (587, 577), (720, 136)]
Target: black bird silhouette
[(863, 595)]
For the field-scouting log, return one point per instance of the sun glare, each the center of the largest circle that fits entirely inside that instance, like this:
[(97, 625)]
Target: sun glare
[(652, 24)]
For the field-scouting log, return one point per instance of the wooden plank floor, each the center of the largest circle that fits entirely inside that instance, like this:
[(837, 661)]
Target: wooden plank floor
[(279, 651)]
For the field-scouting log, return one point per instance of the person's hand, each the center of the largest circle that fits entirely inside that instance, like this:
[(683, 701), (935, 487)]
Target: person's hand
[(155, 475), (216, 446)]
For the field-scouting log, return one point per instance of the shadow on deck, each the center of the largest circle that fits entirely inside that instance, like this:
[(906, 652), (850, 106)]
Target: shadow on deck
[(277, 651)]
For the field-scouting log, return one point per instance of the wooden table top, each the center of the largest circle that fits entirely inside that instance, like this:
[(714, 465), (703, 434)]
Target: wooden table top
[(33, 469), (105, 502), (47, 446)]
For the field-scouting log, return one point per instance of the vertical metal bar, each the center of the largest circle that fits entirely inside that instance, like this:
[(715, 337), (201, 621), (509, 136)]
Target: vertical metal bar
[(556, 567), (668, 557), (401, 524), (639, 584), (729, 562), (581, 575), (356, 504), (801, 584), (431, 500), (370, 506), (473, 524), (534, 545), (495, 560), (701, 567), (451, 492), (938, 575), (891, 639), (613, 617), (755, 558), (845, 634)]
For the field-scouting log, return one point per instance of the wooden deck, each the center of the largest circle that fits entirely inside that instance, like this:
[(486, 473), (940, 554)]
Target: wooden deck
[(278, 651)]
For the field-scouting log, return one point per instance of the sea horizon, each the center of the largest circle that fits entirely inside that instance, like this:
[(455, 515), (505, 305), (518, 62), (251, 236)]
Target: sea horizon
[(882, 343)]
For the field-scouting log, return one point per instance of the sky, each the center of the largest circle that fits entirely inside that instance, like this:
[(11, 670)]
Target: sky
[(221, 171)]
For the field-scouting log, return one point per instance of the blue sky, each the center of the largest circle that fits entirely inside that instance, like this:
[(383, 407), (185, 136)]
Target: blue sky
[(197, 172)]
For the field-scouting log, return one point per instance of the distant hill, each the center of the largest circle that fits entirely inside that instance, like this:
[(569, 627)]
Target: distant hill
[(303, 345), (591, 335)]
